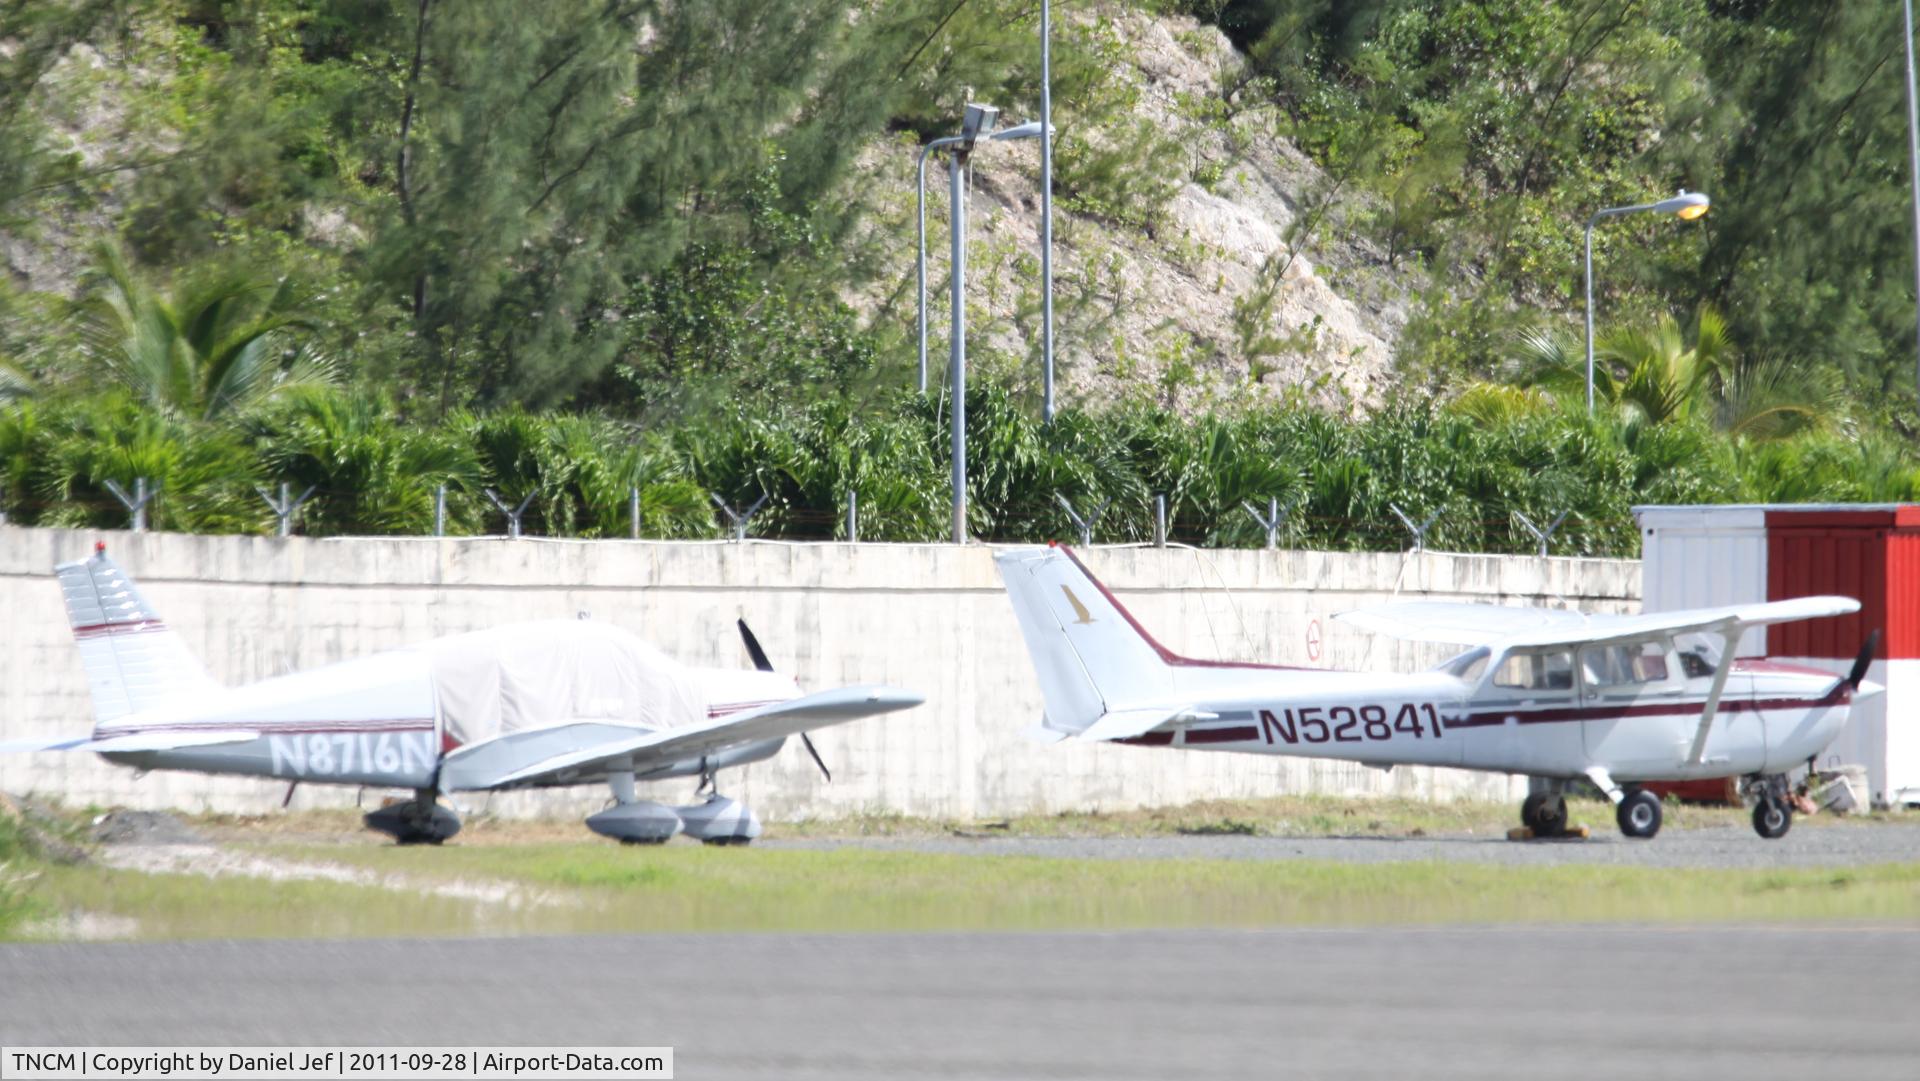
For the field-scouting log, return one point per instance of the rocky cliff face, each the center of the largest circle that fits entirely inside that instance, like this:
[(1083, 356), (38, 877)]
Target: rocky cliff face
[(1249, 279)]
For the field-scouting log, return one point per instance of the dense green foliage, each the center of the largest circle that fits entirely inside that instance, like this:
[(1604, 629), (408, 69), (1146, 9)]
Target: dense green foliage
[(1488, 130), (575, 251)]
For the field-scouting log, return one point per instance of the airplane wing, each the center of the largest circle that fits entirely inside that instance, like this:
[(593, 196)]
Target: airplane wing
[(587, 747), (1494, 625), (1460, 624), (138, 741)]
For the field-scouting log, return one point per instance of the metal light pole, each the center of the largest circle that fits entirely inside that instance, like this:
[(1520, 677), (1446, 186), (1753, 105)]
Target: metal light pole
[(1046, 202), (1028, 130), (921, 207), (1686, 206), (1913, 181)]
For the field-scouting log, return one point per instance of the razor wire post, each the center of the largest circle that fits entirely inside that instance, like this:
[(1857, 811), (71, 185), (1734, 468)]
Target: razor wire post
[(1160, 521), (284, 507), (1084, 525), (1276, 514), (513, 515), (440, 511), (633, 513), (136, 503), (853, 516), (738, 518), (1542, 537), (1419, 531)]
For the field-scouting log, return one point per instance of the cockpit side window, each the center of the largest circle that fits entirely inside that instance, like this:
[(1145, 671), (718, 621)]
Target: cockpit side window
[(1626, 667), (1699, 653)]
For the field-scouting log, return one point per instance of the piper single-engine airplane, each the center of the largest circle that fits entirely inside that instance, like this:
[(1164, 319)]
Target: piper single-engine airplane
[(540, 704), (1555, 694)]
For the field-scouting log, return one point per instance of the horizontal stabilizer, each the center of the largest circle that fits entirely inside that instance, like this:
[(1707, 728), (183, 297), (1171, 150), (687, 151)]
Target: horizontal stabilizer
[(1127, 723), (649, 748), (137, 741)]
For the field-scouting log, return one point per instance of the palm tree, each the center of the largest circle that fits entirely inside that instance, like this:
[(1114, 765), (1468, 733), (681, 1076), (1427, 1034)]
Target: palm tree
[(209, 349), (1656, 374)]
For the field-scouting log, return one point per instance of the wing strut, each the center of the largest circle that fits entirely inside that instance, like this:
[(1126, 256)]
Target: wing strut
[(1733, 636)]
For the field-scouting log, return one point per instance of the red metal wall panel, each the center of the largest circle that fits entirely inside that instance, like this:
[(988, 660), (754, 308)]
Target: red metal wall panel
[(1843, 552), (1902, 637)]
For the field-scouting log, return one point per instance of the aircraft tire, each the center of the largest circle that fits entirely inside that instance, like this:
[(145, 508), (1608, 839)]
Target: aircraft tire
[(643, 840), (1530, 808), (1545, 814), (737, 842), (1772, 817), (1639, 814)]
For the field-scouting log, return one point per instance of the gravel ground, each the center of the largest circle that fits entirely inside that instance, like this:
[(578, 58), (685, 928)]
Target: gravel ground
[(1716, 847)]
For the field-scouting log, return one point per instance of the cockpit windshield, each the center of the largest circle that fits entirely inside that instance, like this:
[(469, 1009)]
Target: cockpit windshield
[(1467, 666)]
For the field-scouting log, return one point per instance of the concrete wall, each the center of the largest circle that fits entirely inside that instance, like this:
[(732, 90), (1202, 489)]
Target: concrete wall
[(928, 617)]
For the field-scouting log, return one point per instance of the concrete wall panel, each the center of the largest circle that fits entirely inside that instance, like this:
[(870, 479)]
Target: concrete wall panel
[(929, 617)]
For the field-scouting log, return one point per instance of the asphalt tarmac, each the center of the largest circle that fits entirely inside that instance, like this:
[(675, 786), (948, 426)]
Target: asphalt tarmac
[(1679, 1002)]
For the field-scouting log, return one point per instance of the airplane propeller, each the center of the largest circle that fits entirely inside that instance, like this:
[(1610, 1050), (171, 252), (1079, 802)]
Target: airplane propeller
[(760, 661), (1865, 659)]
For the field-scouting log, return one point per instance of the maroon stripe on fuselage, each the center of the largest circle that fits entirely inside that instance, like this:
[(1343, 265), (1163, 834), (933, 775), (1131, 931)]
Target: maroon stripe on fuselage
[(1166, 655), (96, 630), (1485, 718), (1150, 739), (415, 724), (1238, 734)]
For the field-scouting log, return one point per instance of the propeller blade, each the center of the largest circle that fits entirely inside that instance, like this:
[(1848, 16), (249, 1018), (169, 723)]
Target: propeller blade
[(758, 655), (1865, 659), (817, 760)]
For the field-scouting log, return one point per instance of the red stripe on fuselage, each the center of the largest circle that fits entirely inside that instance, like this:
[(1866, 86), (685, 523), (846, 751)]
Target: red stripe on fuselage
[(96, 630), (1166, 655), (1839, 696)]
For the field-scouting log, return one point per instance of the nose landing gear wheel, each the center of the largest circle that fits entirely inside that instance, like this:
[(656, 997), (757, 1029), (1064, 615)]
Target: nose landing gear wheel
[(1639, 814), (1545, 814), (1772, 817)]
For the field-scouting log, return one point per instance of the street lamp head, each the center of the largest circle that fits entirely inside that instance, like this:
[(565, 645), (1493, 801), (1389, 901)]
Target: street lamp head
[(1686, 206), (1028, 130), (978, 121)]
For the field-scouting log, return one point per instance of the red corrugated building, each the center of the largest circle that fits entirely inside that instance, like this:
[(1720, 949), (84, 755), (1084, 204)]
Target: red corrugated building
[(1708, 555)]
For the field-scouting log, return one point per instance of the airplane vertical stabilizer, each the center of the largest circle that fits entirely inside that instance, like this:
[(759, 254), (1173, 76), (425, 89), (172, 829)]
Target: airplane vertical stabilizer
[(1091, 658), (134, 661)]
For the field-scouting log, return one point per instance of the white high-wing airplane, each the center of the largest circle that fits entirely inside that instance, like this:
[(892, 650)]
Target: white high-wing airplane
[(539, 704), (1554, 694)]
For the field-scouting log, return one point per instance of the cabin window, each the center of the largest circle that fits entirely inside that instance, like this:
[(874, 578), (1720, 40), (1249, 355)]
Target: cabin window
[(1625, 664), (1699, 653), (1549, 670)]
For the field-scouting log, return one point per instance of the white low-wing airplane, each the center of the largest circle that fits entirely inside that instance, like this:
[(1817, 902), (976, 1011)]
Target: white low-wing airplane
[(539, 704), (1555, 694)]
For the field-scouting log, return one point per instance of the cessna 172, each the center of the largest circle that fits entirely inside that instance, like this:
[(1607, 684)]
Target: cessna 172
[(541, 704), (1555, 694)]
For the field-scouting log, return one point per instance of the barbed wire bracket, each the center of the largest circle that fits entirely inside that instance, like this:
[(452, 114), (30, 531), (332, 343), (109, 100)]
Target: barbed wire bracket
[(1419, 531), (284, 507), (1087, 524), (1276, 515), (738, 519), (513, 516), (1535, 530), (136, 503)]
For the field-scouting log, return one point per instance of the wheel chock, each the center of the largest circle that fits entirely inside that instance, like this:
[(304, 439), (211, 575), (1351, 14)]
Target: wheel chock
[(1572, 833)]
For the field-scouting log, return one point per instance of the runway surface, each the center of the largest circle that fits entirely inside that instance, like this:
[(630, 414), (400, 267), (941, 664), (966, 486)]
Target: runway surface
[(1449, 1003)]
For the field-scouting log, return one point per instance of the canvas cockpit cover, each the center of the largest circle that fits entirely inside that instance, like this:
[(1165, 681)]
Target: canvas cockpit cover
[(531, 675)]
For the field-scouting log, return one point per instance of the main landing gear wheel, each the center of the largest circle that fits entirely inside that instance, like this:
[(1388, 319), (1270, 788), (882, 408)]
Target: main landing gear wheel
[(1545, 813), (1639, 813), (1772, 817)]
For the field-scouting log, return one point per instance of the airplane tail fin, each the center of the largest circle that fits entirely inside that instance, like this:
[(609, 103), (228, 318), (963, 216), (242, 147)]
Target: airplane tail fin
[(1096, 665), (134, 661)]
